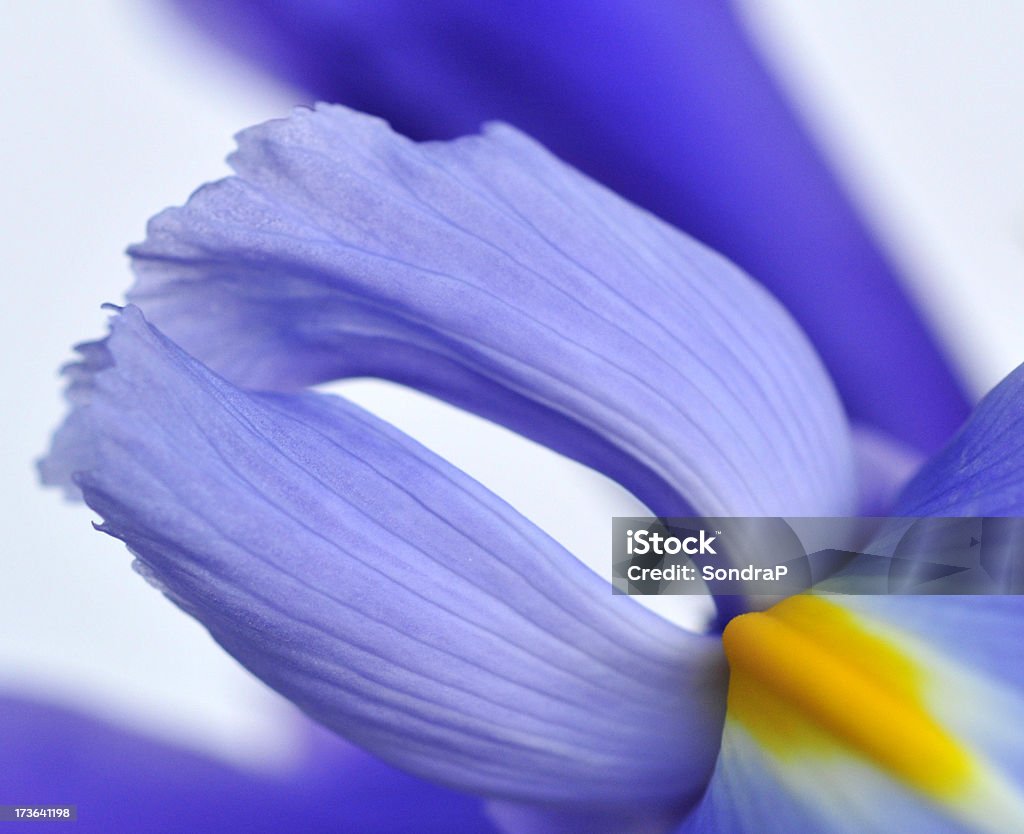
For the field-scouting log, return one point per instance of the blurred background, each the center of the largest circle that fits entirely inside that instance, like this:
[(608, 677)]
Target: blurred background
[(114, 110)]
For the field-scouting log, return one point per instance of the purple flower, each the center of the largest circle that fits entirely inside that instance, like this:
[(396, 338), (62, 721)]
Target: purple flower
[(666, 103), (401, 604)]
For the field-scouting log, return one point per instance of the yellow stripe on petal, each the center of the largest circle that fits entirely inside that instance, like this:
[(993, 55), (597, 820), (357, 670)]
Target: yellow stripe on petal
[(806, 677)]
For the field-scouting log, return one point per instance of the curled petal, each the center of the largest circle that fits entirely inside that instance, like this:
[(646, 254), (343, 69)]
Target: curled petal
[(667, 103), (488, 273), (384, 592)]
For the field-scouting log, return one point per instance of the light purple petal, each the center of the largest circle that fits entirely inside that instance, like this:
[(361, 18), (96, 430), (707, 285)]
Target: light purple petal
[(975, 642), (966, 657), (981, 470), (748, 795), (666, 102), (384, 592), (488, 273)]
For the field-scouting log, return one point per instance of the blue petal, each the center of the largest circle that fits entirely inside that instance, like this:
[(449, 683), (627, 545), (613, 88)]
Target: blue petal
[(384, 592), (667, 103), (981, 471), (486, 272), (123, 782)]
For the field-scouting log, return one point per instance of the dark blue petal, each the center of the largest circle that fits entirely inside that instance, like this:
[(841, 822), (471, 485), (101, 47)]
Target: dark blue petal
[(384, 592), (663, 101), (123, 782), (487, 272), (981, 471)]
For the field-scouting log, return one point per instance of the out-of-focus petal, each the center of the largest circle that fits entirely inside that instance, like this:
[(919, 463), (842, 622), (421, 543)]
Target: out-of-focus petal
[(972, 646), (884, 466), (488, 273), (121, 781), (516, 818), (387, 594), (981, 470), (872, 714), (748, 795), (665, 102)]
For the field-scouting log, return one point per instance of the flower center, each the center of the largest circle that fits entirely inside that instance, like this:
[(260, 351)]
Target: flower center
[(806, 676)]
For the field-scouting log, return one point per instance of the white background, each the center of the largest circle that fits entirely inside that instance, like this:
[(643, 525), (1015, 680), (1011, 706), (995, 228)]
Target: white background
[(112, 112)]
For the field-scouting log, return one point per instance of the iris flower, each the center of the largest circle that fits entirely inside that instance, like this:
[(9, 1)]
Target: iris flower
[(402, 605), (667, 103)]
